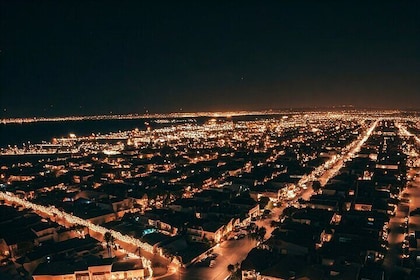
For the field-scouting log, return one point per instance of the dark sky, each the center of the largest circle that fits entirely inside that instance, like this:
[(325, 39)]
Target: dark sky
[(91, 57)]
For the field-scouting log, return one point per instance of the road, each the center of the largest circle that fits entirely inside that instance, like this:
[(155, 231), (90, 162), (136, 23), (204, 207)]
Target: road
[(277, 211), (414, 196), (232, 252), (393, 261), (395, 238), (229, 252), (235, 251)]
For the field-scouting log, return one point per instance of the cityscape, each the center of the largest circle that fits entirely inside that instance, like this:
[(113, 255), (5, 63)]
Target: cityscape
[(286, 195), (209, 140)]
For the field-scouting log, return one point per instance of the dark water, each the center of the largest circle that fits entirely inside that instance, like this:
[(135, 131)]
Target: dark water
[(36, 132)]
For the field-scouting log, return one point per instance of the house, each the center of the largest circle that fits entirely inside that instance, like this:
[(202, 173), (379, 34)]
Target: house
[(45, 231), (208, 230), (70, 248), (294, 239), (262, 264), (91, 270)]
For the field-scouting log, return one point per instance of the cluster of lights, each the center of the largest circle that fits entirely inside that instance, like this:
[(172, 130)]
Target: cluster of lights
[(336, 162), (161, 117), (54, 212), (177, 131)]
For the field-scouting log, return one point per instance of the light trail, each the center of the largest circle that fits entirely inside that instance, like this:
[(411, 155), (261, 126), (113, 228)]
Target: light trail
[(54, 212)]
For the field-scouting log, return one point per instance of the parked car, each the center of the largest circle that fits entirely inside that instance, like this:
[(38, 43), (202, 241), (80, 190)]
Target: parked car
[(415, 212)]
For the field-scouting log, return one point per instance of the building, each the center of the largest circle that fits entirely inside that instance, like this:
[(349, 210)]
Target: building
[(101, 269)]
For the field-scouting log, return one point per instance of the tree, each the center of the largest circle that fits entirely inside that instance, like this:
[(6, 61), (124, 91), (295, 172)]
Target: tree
[(316, 186), (80, 230), (234, 272), (109, 239), (261, 233), (274, 223)]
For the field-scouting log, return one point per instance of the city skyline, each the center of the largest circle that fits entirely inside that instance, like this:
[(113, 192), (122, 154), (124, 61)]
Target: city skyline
[(77, 58)]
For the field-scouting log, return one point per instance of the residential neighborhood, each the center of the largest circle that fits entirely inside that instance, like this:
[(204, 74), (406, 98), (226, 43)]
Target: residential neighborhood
[(293, 196)]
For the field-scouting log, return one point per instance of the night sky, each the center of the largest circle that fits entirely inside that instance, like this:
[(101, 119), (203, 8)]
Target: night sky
[(96, 57)]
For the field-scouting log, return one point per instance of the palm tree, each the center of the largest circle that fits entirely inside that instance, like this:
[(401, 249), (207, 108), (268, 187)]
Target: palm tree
[(80, 230), (109, 239), (234, 271), (261, 233)]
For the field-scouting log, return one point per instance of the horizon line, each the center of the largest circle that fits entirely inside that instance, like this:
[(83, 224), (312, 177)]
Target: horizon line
[(227, 113)]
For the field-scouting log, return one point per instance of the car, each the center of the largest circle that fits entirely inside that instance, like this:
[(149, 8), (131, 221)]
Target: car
[(213, 256), (405, 195), (400, 229), (405, 200), (415, 212), (239, 236), (411, 239), (405, 253), (266, 212), (203, 262)]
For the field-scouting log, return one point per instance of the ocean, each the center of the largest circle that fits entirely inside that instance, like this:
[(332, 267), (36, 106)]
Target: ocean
[(36, 132)]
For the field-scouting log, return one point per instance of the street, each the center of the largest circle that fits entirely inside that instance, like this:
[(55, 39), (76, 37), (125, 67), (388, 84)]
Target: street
[(393, 261), (228, 252)]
